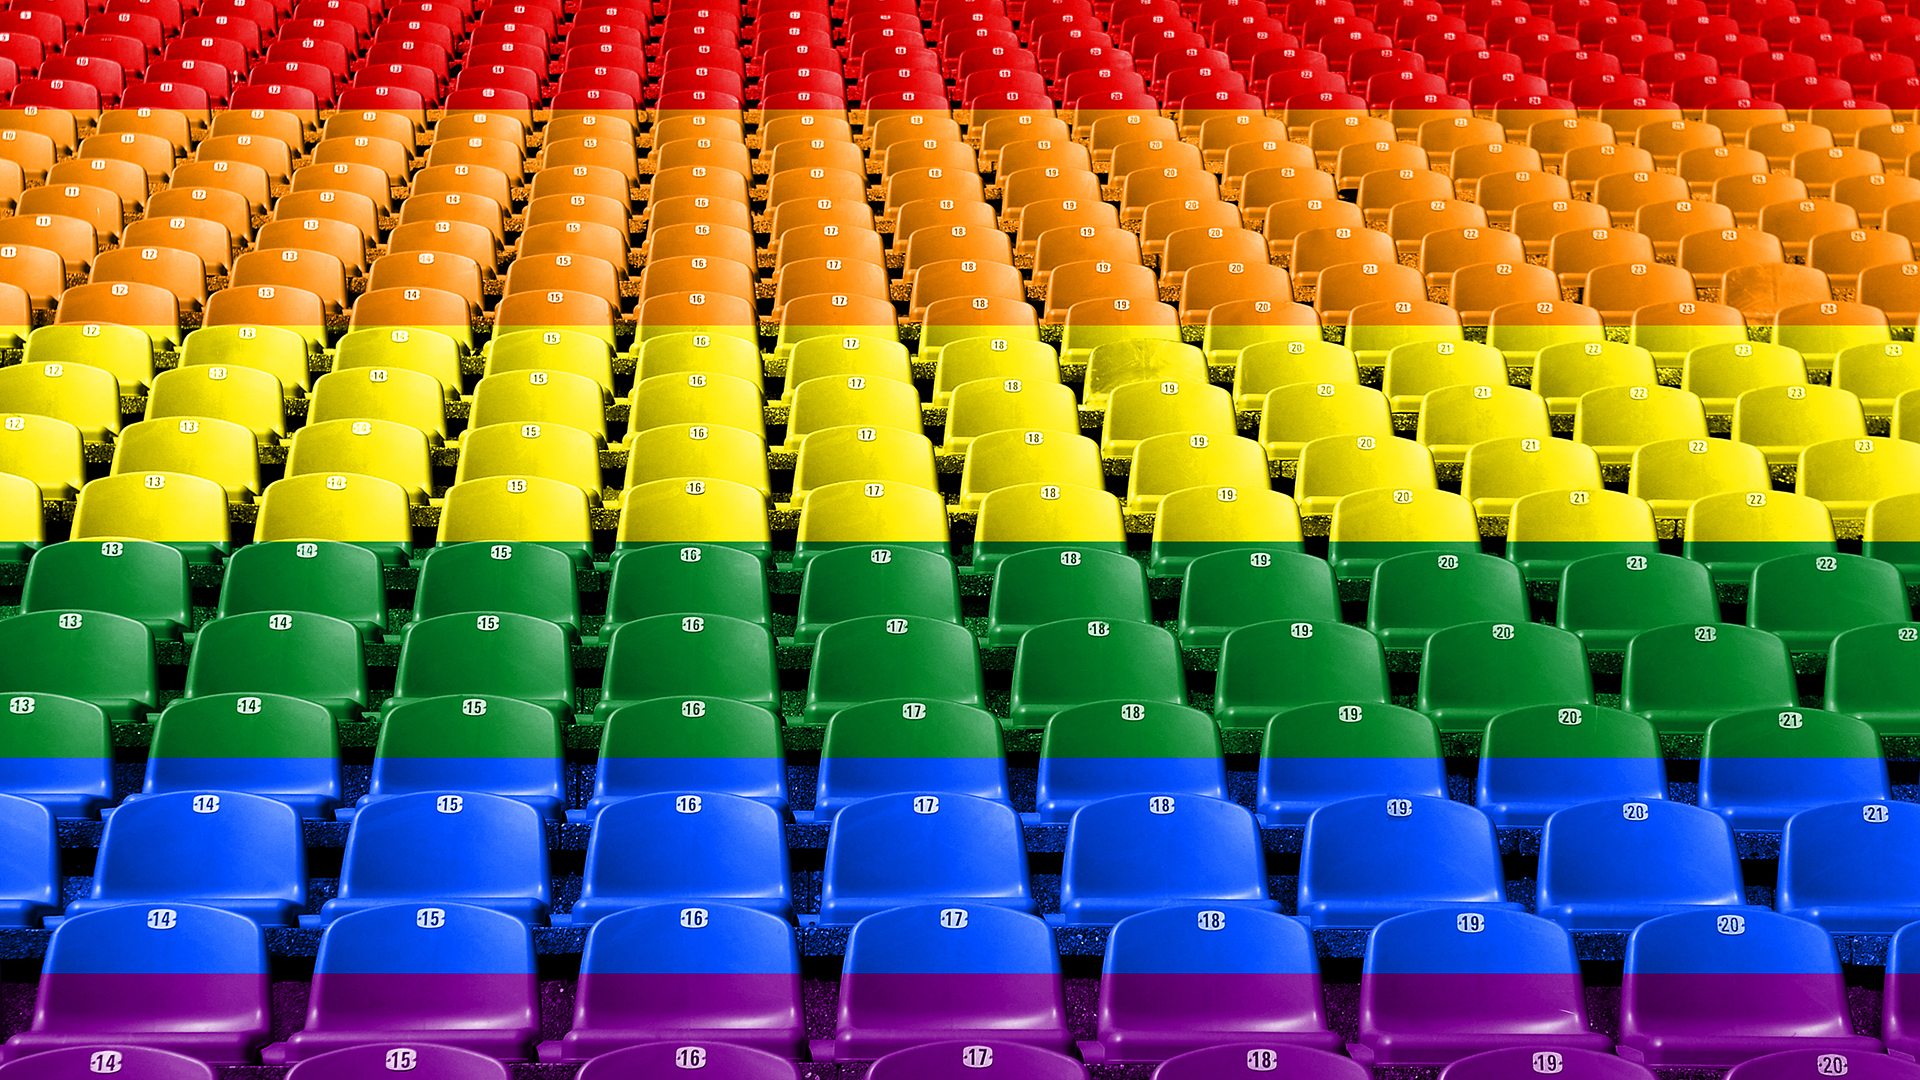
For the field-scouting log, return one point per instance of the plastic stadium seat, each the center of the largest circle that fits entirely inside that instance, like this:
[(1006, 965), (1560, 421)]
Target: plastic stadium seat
[(1714, 989), (1320, 754), (436, 744), (1684, 859), (1799, 1063), (365, 511), (685, 848), (1759, 768), (663, 579), (1544, 758), (82, 1062), (1104, 749), (1474, 671), (1270, 667), (1683, 676), (474, 577), (854, 582), (429, 1061), (860, 512), (507, 654), (1848, 866), (1549, 529), (1182, 978), (1065, 663), (1226, 590), (1672, 474), (659, 1058), (966, 1059), (1370, 858), (30, 873), (661, 655), (145, 581), (425, 847), (100, 658), (315, 657), (874, 657), (1808, 600), (1140, 851), (451, 974), (58, 752), (1379, 523), (1522, 1061), (230, 850), (96, 984), (1013, 993), (323, 578), (1417, 594), (1041, 586), (1867, 676), (941, 746), (650, 747), (903, 849), (1734, 531), (1257, 1058), (279, 747)]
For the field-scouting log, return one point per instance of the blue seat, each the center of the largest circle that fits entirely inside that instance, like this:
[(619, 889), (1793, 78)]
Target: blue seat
[(681, 744), (1526, 1063), (422, 1061), (1473, 672), (666, 1060), (1759, 768), (857, 582), (1107, 748), (1073, 661), (922, 848), (478, 577), (29, 863), (667, 579), (445, 973), (689, 847), (880, 656), (1368, 859), (314, 657), (322, 577), (1135, 852), (263, 744), (445, 847), (1326, 753), (1417, 594), (135, 578), (57, 751), (226, 849), (712, 973), (1227, 590), (1272, 667), (1684, 677), (502, 746), (1178, 979), (503, 655), (87, 1062), (690, 656), (966, 1059), (881, 747), (1707, 989), (1613, 865), (1442, 984), (898, 984), (1259, 1061), (100, 984), (1543, 758), (1815, 1063), (95, 656), (1046, 585), (1853, 867)]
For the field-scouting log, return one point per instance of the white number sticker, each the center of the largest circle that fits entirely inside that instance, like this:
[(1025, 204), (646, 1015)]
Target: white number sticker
[(430, 918)]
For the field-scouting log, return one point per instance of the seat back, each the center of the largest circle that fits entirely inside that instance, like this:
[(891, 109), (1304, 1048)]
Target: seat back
[(85, 1062), (1072, 661), (388, 971), (57, 751), (224, 849), (1684, 676), (967, 1059), (498, 745), (1522, 1063), (907, 848), (1319, 754), (463, 846), (663, 1060), (1140, 851), (1259, 1060), (649, 746), (1361, 858), (273, 745), (1190, 973), (685, 847), (1682, 855), (1107, 748), (1541, 758), (508, 654), (101, 969), (316, 657)]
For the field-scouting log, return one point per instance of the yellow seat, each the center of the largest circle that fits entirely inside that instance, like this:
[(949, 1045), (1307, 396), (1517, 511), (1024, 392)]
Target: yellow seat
[(551, 350), (1141, 410), (86, 397), (1272, 364), (873, 358), (1176, 460), (273, 349), (166, 507), (47, 451), (1783, 420), (696, 397), (1115, 364), (425, 351), (863, 452), (1375, 329), (1521, 330), (1564, 372), (1821, 331), (366, 447), (835, 315), (1297, 414), (1338, 465), (541, 397), (533, 509), (124, 351), (1671, 331), (1379, 523), (1719, 374), (869, 512), (1573, 519), (693, 511), (1454, 418), (1751, 519), (1198, 520), (714, 451), (987, 405), (1499, 471), (1849, 475), (968, 359), (246, 396), (1673, 473), (549, 450), (1418, 367), (1877, 373), (196, 446), (1618, 420), (1032, 515), (398, 395), (1009, 457), (1092, 323), (674, 354), (834, 401)]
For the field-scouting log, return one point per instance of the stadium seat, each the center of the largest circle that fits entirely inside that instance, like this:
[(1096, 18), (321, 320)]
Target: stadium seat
[(1014, 994), (507, 654), (315, 657), (664, 580), (451, 974), (97, 657), (1103, 749), (1684, 676), (1270, 667), (171, 508), (1418, 594), (1474, 671), (1520, 1061), (466, 848), (474, 577), (655, 1058), (81, 1062), (1179, 979), (230, 850), (1370, 858), (1378, 523), (904, 849), (878, 657), (1540, 759), (321, 578), (1683, 859), (966, 1059), (1798, 1063), (1713, 989), (1761, 767), (649, 747), (661, 655), (869, 751), (683, 848), (1606, 599), (1808, 600), (1847, 866), (1139, 851), (30, 872), (1065, 663), (58, 752), (271, 745), (1046, 585), (1324, 753), (1440, 984), (1868, 677), (1257, 1058), (1227, 590), (96, 984), (436, 744), (427, 1061), (855, 582)]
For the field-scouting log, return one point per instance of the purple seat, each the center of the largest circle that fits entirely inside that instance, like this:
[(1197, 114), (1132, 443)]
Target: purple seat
[(453, 974), (1260, 1061), (1712, 989), (966, 1060), (1900, 1007), (182, 977), (1532, 1062), (419, 1061), (1816, 1063), (671, 1061), (696, 974), (89, 1062), (1442, 984), (1182, 978), (930, 973)]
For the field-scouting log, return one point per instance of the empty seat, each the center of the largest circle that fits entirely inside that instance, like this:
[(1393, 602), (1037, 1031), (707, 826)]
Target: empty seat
[(1034, 587), (1140, 851), (1868, 676), (1109, 748), (508, 654), (1849, 866), (1319, 754), (1065, 663), (1520, 1061), (1808, 600), (877, 657), (1798, 1063), (690, 656), (315, 657), (30, 870), (941, 746), (854, 582), (141, 580), (271, 745), (1684, 676), (904, 849), (1226, 590), (1475, 671), (1733, 532), (428, 1060), (430, 847), (1759, 768), (649, 747), (1543, 758), (81, 1062), (58, 752), (1270, 667), (528, 579), (95, 656), (664, 579), (436, 744), (1417, 594), (685, 848), (1256, 1059), (1367, 859), (1683, 860)]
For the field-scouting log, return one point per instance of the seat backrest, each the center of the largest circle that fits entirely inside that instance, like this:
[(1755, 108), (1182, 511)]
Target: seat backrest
[(968, 1058), (57, 751), (1472, 671), (404, 967), (1139, 851), (506, 653), (668, 967), (1858, 853), (83, 984), (446, 845), (323, 577), (1551, 756), (223, 849), (872, 748), (427, 1061), (1266, 667), (1198, 968), (267, 744), (1106, 748), (1705, 670), (1075, 660), (1399, 846), (91, 655), (317, 657), (664, 1060), (1525, 1062), (143, 580), (1324, 753), (494, 744), (1256, 1061), (649, 746), (84, 1062), (692, 655), (685, 847), (1790, 758), (1682, 855), (1798, 1064), (1009, 954), (906, 848), (1751, 973), (531, 579), (30, 873)]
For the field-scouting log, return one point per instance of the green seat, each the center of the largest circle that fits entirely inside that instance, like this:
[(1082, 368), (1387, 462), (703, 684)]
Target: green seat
[(1475, 671), (694, 656), (270, 745), (1108, 748), (1873, 672), (891, 656), (95, 656), (1334, 750), (472, 577), (136, 578), (1270, 667), (1544, 758), (504, 654), (1606, 599), (314, 657), (682, 744), (667, 579), (321, 577), (495, 745), (1231, 589), (850, 583), (1808, 600), (1415, 595), (1684, 677), (1049, 584), (57, 751), (1073, 661), (1759, 768), (880, 747)]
